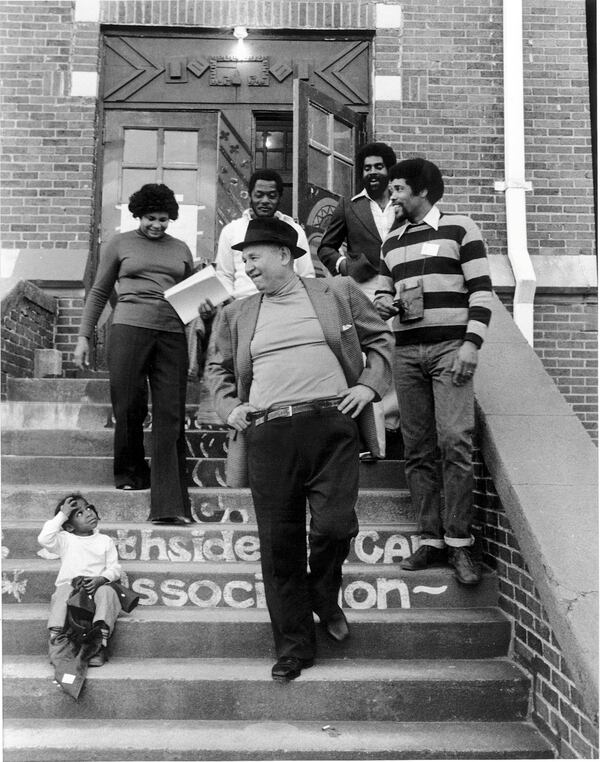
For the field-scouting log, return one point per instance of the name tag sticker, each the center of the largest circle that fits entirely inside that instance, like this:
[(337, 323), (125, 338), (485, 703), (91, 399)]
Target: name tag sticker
[(430, 249)]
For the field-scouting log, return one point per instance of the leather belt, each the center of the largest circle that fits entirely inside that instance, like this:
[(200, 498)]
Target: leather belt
[(287, 411)]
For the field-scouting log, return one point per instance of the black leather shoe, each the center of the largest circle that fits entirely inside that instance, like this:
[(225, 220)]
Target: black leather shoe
[(425, 556), (289, 668), (99, 659), (466, 570), (337, 628)]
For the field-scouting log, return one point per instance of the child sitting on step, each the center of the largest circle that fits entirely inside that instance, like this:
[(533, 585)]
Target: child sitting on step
[(86, 554)]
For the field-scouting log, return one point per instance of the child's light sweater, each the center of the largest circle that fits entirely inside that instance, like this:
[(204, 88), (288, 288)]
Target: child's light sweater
[(92, 555)]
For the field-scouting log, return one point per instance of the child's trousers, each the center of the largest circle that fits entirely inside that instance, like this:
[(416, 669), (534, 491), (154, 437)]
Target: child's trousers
[(106, 600)]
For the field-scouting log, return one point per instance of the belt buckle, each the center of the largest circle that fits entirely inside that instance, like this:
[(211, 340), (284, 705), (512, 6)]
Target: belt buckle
[(281, 412), (284, 412)]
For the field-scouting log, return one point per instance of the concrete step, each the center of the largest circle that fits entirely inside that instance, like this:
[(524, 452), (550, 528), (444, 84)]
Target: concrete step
[(208, 442), (201, 443), (227, 543), (87, 415), (202, 472), (239, 586), (242, 689), (36, 502), (94, 389), (163, 631), (58, 389), (71, 740)]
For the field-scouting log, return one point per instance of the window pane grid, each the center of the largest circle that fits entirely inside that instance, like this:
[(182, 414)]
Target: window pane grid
[(181, 176)]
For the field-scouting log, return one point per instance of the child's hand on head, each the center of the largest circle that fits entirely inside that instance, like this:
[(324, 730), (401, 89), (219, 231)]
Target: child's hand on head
[(69, 504)]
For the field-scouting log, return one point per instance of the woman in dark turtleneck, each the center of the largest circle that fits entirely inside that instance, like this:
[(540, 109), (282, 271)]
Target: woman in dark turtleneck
[(147, 343)]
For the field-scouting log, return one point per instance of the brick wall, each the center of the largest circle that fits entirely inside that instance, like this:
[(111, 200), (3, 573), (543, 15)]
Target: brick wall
[(449, 57), (48, 136), (451, 108), (28, 317), (565, 338), (557, 705), (557, 128), (452, 112), (67, 328)]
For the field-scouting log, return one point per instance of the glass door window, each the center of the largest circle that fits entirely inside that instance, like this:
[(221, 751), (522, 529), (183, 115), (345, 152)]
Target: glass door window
[(330, 151), (273, 149), (176, 149)]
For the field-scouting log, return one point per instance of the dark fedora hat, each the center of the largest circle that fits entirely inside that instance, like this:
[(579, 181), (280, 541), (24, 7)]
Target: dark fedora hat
[(271, 230)]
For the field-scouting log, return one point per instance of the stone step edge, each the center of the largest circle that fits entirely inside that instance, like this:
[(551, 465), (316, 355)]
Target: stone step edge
[(43, 566), (9, 488), (160, 740), (32, 612), (254, 669), (133, 526)]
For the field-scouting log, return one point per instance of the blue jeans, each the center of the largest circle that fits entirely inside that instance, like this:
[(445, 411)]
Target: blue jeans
[(436, 414)]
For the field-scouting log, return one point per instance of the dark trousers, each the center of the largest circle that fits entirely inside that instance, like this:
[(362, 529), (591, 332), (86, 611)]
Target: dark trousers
[(136, 356), (310, 456)]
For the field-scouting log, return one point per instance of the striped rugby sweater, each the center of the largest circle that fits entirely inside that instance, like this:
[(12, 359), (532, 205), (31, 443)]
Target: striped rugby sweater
[(447, 252)]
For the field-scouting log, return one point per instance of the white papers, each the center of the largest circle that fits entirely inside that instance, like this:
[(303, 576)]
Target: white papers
[(187, 296)]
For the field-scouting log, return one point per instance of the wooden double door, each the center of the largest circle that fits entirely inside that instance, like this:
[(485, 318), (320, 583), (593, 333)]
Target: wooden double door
[(200, 113)]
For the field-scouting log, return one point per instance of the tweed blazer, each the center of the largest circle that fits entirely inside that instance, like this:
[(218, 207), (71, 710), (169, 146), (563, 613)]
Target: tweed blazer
[(352, 221), (350, 325)]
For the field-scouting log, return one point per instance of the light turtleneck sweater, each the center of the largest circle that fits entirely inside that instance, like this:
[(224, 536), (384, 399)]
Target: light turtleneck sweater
[(291, 361)]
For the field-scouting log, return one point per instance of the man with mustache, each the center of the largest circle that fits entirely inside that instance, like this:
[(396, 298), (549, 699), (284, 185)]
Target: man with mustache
[(362, 223), (435, 284)]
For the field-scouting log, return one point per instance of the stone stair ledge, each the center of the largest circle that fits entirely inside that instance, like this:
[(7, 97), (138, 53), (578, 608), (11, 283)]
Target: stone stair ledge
[(87, 415), (94, 389), (69, 741), (201, 440), (202, 472), (225, 542), (239, 586), (201, 443), (163, 631), (242, 689), (210, 505)]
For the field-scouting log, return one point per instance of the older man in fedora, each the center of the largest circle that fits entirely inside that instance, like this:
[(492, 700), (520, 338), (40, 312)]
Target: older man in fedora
[(286, 368)]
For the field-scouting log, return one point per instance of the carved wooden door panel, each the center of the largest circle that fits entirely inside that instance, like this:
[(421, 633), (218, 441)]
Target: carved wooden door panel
[(235, 166), (327, 136)]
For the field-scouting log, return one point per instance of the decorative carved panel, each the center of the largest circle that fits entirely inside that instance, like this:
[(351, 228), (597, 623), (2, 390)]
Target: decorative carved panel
[(138, 68), (226, 71), (234, 170)]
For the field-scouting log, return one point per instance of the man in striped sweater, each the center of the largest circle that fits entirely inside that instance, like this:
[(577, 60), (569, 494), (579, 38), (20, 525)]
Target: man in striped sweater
[(435, 281)]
